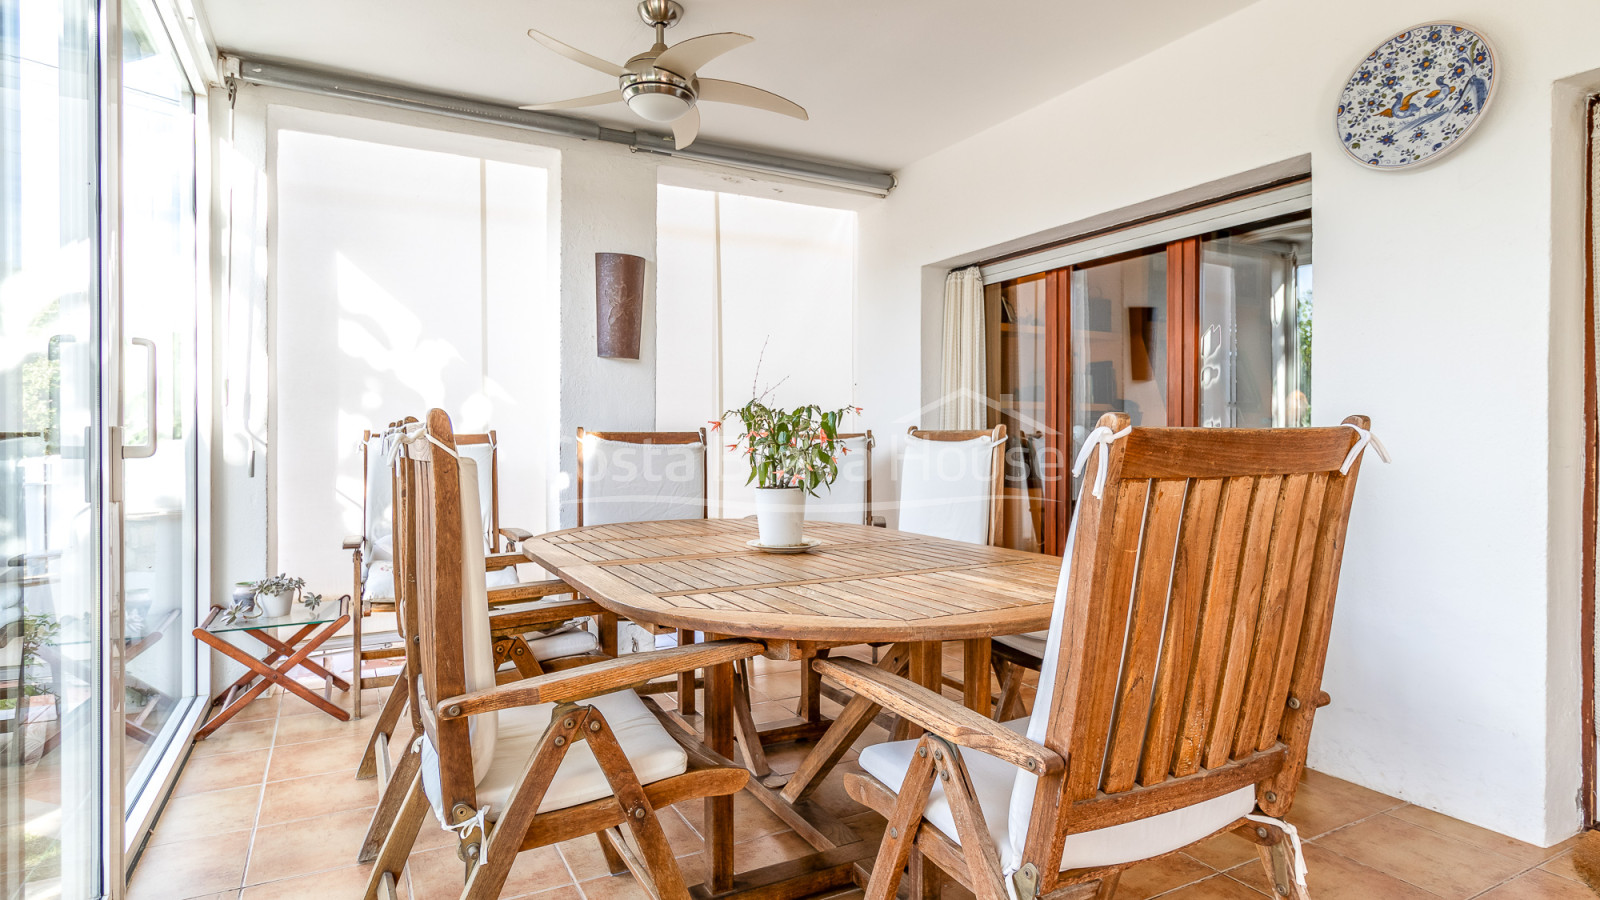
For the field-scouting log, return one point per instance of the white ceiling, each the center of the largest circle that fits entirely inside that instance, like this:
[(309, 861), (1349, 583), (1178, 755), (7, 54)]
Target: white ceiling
[(886, 82)]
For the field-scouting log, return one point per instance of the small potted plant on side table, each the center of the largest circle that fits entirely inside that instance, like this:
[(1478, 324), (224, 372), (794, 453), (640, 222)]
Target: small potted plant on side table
[(276, 595), (791, 454)]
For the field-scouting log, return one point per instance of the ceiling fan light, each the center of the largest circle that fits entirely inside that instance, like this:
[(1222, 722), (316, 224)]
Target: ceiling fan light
[(658, 102)]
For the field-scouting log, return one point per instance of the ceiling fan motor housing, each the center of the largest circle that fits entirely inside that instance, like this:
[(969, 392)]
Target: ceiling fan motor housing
[(658, 95)]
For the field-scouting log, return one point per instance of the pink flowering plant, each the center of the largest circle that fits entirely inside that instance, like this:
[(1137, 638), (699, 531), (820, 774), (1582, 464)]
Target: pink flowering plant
[(789, 447)]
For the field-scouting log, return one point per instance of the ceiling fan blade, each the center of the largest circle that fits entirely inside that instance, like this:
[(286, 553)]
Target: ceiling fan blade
[(686, 57), (753, 97), (575, 102), (576, 55), (686, 128)]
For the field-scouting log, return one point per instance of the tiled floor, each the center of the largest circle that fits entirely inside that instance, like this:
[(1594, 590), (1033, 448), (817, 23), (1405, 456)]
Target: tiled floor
[(269, 808)]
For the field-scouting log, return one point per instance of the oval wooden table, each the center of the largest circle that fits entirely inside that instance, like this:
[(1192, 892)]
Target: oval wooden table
[(862, 585)]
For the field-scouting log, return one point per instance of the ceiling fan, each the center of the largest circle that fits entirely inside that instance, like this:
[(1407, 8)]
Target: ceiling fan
[(662, 83)]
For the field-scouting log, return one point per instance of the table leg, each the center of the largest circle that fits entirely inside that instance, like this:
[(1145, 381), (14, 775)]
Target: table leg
[(686, 679), (975, 676), (271, 674), (927, 669), (846, 729), (314, 668), (244, 681), (718, 718)]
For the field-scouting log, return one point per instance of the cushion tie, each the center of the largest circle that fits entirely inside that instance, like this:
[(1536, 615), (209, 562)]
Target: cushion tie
[(464, 827), (1366, 438), (1290, 830), (1101, 437)]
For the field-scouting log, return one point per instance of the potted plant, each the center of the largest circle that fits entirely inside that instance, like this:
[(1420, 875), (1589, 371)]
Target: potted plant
[(791, 453), (277, 594)]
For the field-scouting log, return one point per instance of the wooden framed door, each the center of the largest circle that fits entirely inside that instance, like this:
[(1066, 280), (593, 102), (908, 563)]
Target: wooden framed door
[(1206, 330)]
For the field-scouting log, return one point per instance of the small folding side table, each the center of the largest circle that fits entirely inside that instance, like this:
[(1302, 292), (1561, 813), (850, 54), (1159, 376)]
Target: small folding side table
[(283, 656)]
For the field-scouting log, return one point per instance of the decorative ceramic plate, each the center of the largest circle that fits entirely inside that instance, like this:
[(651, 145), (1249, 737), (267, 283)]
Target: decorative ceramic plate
[(806, 544), (1416, 96)]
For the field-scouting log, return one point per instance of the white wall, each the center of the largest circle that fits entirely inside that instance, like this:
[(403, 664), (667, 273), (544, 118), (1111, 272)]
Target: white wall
[(406, 279), (1446, 310)]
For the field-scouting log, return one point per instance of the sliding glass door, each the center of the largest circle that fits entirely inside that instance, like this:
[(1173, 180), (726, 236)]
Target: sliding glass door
[(1211, 330), (52, 712), (159, 508)]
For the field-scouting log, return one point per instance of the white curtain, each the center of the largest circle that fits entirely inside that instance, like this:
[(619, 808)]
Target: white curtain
[(963, 386)]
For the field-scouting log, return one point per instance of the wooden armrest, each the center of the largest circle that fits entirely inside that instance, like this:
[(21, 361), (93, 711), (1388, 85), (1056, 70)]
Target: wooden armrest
[(933, 711), (529, 590), (352, 542), (519, 621), (1323, 699), (515, 535), (599, 678), (493, 561)]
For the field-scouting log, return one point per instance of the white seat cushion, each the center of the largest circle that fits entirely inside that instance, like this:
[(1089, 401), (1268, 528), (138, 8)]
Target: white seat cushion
[(380, 580), (627, 482), (993, 779), (501, 577), (1031, 643), (652, 751), (846, 499), (947, 488)]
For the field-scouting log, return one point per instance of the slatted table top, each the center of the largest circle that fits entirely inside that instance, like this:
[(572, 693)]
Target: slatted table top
[(862, 584)]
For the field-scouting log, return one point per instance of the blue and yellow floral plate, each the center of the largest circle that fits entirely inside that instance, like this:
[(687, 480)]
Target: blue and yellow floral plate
[(1416, 96)]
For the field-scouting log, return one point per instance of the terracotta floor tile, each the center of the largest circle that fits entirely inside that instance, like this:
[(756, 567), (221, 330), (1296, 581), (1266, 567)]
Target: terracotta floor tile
[(1223, 851), (750, 818), (320, 727), (339, 754), (346, 882), (235, 735), (439, 874), (1472, 834), (613, 887), (1161, 875), (1217, 887), (262, 707), (1447, 866), (773, 711), (768, 850), (299, 848), (1324, 803), (584, 858), (192, 868), (569, 892), (214, 812), (315, 795), (1562, 865), (222, 772), (1330, 876), (780, 686), (1540, 885)]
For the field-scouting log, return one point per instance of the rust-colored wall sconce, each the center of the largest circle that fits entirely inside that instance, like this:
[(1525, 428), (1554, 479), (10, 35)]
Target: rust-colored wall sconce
[(618, 304)]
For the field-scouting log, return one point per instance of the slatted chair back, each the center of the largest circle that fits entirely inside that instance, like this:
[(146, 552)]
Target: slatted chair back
[(1186, 660), (443, 607), (849, 498), (641, 476), (952, 484)]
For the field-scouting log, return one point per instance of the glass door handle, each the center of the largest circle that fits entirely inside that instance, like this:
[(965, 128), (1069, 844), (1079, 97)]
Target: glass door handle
[(148, 448)]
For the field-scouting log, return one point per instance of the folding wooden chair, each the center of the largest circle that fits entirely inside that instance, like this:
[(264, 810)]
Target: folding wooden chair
[(1184, 670), (372, 554), (539, 760), (528, 623)]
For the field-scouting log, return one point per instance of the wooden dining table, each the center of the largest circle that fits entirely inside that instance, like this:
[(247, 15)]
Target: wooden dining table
[(861, 585)]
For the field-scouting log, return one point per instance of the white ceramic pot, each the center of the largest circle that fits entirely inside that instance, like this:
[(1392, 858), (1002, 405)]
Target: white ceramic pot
[(781, 516), (276, 606)]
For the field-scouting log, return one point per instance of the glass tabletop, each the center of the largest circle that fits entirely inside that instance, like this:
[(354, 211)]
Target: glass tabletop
[(326, 611)]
